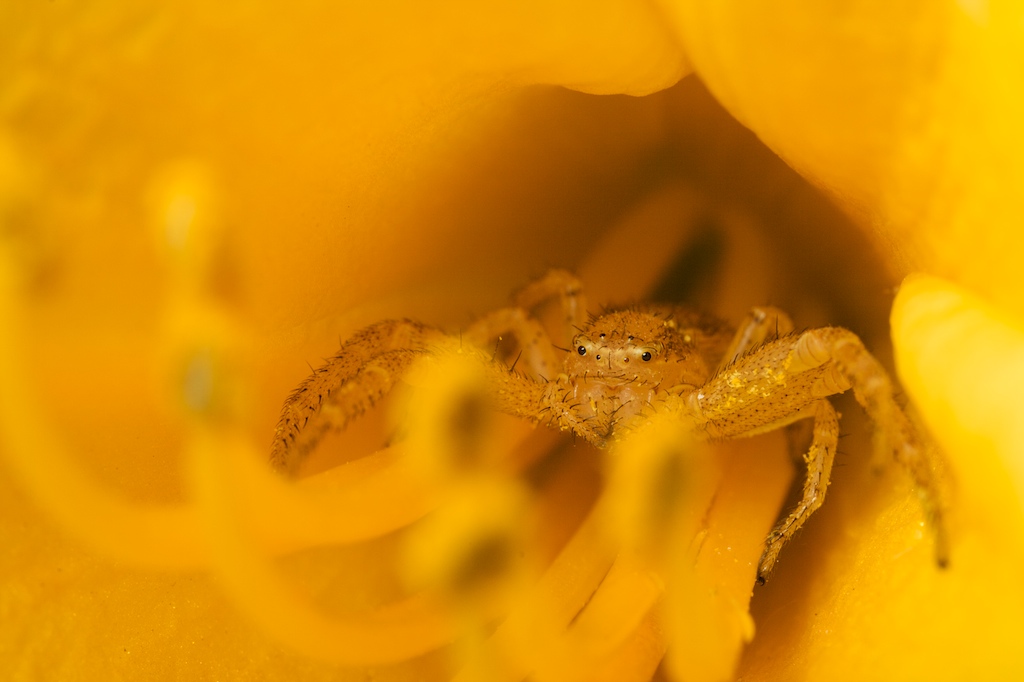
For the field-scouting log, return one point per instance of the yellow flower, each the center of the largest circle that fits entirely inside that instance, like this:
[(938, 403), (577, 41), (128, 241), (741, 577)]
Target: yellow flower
[(197, 200)]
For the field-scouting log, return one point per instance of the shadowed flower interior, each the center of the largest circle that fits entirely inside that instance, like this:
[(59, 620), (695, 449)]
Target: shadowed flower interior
[(197, 202)]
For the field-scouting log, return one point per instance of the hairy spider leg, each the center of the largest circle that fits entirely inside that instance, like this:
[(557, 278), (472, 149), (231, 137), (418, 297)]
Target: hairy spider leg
[(777, 384), (760, 325), (818, 460), (569, 291), (364, 370), (368, 366), (538, 356), (895, 434), (545, 388)]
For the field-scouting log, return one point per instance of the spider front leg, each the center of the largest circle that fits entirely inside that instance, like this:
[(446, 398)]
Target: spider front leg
[(895, 433), (778, 383), (364, 370), (369, 365), (563, 285), (819, 468), (761, 324), (538, 352)]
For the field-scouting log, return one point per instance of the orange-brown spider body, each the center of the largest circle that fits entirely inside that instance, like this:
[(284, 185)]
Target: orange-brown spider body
[(734, 383)]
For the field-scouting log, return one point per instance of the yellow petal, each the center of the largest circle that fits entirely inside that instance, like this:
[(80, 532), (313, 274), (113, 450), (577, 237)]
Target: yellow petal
[(904, 113), (342, 165)]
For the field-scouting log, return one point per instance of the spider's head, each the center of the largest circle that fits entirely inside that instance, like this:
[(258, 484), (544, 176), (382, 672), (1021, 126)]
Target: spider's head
[(624, 359), (639, 348), (620, 347)]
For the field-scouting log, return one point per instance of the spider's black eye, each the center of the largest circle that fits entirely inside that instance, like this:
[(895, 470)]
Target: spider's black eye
[(646, 357), (582, 350)]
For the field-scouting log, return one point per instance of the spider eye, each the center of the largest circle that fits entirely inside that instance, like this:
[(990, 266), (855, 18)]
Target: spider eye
[(646, 357), (582, 350)]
